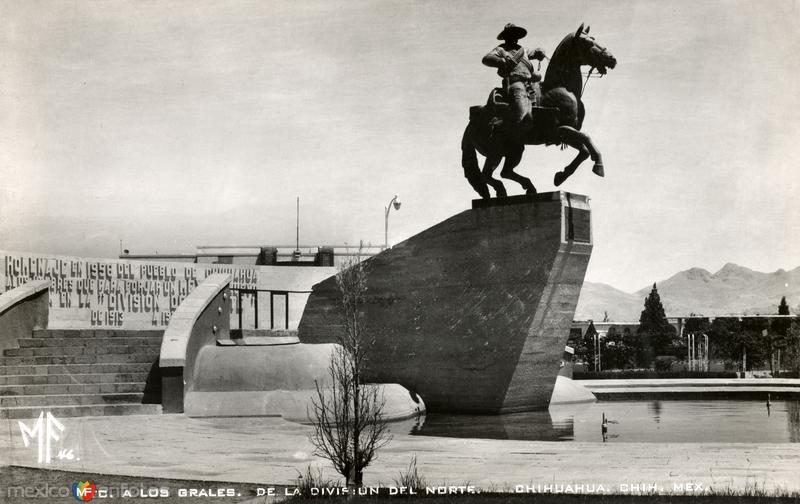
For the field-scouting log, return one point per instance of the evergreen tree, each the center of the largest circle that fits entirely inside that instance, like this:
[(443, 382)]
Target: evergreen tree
[(783, 308), (584, 348), (779, 332), (658, 336)]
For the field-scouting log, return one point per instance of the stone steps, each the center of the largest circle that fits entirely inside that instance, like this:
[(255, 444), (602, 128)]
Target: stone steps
[(95, 333), (77, 369), (71, 388), (70, 399), (68, 379), (81, 372), (88, 342), (81, 350), (139, 358), (27, 412)]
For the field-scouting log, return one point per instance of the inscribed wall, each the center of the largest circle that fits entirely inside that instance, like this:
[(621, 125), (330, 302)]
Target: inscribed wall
[(129, 294)]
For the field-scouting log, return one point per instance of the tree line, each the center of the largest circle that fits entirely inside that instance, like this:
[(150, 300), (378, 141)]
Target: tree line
[(655, 343)]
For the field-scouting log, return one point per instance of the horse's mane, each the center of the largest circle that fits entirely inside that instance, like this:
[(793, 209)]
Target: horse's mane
[(559, 72)]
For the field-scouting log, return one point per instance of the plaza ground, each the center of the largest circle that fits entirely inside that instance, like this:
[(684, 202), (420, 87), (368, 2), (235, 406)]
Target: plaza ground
[(272, 451)]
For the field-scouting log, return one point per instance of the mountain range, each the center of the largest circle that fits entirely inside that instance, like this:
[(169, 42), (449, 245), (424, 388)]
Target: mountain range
[(733, 290)]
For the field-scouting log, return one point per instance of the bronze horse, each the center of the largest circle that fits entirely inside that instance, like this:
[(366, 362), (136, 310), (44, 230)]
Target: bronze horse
[(557, 122)]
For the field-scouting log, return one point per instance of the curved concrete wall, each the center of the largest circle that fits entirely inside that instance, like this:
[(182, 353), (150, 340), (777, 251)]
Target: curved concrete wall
[(22, 310), (275, 380), (200, 320), (277, 367), (295, 405)]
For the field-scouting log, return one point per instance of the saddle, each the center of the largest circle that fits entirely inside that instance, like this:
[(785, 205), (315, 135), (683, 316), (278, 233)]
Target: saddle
[(497, 108)]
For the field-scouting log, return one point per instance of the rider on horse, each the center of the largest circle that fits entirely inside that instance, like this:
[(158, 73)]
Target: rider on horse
[(514, 66)]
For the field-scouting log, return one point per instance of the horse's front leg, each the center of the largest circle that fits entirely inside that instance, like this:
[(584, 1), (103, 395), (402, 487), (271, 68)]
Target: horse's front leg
[(512, 161), (489, 166), (583, 138), (575, 142)]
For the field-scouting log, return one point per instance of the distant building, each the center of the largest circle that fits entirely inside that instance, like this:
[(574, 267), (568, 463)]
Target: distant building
[(579, 327), (264, 255)]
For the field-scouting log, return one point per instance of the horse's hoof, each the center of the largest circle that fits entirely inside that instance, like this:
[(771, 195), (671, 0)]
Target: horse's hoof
[(598, 170), (559, 178), (531, 191)]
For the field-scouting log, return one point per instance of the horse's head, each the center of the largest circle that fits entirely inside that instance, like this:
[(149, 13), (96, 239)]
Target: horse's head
[(575, 50), (584, 50)]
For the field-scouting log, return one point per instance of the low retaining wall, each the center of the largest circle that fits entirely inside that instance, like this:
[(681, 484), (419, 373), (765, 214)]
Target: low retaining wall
[(199, 321), (22, 310), (743, 388)]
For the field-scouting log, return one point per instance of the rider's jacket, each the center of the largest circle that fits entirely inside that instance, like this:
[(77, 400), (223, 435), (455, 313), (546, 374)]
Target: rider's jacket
[(523, 71)]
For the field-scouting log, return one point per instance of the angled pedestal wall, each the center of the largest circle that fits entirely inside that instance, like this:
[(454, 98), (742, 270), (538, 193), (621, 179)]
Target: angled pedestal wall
[(473, 313)]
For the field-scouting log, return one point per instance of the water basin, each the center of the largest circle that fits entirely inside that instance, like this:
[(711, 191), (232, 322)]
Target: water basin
[(653, 421)]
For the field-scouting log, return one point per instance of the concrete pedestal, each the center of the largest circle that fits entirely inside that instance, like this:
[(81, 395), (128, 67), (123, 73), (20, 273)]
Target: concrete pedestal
[(473, 313)]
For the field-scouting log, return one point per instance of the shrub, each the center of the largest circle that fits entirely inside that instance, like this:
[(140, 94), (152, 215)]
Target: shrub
[(411, 478), (311, 479)]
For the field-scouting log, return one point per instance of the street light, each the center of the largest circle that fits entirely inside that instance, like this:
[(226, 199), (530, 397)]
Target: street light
[(394, 202)]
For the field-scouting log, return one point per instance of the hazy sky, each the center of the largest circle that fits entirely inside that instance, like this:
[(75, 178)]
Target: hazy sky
[(170, 124)]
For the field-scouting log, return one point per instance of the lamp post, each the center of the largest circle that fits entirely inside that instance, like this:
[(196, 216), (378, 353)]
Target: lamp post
[(394, 202), (598, 364)]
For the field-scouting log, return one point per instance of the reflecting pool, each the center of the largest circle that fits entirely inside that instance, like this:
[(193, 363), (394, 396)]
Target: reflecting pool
[(655, 421)]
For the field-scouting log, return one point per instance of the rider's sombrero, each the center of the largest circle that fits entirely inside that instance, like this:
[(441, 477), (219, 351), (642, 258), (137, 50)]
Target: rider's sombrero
[(512, 31)]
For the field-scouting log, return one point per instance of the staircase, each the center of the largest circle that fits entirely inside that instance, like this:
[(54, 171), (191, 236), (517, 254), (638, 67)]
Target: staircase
[(81, 372)]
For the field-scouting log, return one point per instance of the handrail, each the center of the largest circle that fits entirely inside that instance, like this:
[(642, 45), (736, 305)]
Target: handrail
[(306, 291), (292, 246), (272, 293)]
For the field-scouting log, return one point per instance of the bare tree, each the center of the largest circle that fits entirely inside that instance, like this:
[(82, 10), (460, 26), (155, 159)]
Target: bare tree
[(349, 424)]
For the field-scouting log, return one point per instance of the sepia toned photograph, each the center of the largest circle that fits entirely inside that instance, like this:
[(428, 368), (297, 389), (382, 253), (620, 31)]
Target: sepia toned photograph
[(262, 251)]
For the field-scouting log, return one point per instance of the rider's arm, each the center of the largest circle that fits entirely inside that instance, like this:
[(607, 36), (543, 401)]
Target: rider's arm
[(536, 55), (495, 59)]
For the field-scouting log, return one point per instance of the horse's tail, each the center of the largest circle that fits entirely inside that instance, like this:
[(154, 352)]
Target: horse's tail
[(469, 161)]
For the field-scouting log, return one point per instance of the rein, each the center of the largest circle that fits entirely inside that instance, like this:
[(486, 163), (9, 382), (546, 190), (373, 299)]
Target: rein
[(588, 76)]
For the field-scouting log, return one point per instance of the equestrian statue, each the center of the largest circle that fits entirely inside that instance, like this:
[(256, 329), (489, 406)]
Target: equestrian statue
[(529, 111)]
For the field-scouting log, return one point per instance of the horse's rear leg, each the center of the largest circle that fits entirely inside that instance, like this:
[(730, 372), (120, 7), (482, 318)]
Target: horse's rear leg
[(491, 164), (472, 171), (512, 161)]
